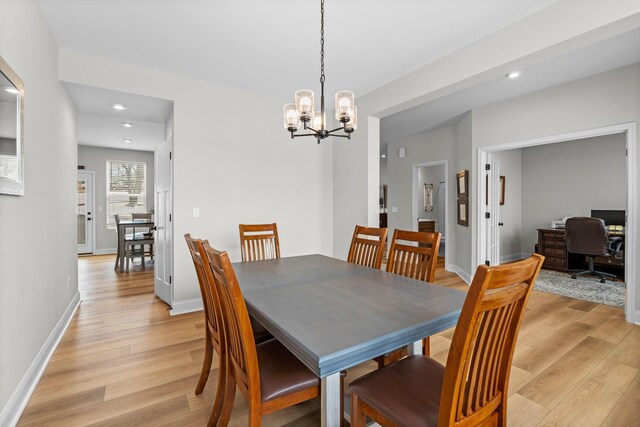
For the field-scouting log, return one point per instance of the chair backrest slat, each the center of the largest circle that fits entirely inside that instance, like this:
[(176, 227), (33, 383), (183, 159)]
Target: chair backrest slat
[(259, 242), (367, 246), (206, 290), (239, 343), (477, 374), (417, 257)]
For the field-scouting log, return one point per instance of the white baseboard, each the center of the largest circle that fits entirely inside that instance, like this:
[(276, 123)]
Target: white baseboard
[(105, 251), (636, 320), (18, 401), (460, 272), (186, 306)]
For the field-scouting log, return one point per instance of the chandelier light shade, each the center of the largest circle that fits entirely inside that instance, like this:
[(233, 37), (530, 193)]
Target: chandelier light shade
[(302, 113)]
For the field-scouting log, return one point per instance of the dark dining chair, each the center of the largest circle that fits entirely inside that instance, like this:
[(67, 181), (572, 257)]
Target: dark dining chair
[(367, 246), (131, 240), (472, 390), (259, 242), (268, 375), (412, 254), (147, 232)]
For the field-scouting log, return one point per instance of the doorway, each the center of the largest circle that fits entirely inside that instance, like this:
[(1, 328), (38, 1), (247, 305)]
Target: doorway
[(430, 201), (163, 266), (85, 191), (485, 238)]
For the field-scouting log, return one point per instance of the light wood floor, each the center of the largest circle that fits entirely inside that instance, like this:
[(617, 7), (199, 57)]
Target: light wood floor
[(125, 361)]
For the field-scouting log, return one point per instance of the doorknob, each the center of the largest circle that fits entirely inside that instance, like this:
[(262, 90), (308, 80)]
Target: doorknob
[(154, 228), (501, 224)]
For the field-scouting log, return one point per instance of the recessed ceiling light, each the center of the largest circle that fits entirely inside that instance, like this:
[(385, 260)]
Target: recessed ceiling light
[(384, 156), (118, 106), (514, 74), (127, 140), (127, 125), (10, 89)]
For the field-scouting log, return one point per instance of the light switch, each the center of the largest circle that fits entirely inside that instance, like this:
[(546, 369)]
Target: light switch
[(196, 212), (394, 209)]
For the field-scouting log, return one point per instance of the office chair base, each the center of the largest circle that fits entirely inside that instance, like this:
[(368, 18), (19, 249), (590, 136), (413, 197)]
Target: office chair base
[(601, 274)]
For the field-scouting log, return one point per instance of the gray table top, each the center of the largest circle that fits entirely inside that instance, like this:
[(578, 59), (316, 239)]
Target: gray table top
[(333, 315)]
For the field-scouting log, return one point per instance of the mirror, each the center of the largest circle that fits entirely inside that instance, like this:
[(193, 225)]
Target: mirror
[(11, 131)]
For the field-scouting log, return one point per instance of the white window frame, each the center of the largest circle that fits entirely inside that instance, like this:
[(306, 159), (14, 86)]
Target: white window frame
[(111, 211)]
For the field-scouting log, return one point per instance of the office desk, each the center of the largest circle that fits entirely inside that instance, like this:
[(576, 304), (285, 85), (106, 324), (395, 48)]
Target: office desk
[(552, 243), (333, 315)]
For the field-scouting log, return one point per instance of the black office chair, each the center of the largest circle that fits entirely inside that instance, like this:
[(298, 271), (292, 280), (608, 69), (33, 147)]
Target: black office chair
[(588, 236)]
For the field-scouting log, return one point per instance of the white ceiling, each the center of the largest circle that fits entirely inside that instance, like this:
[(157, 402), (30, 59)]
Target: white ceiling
[(273, 46), (610, 54)]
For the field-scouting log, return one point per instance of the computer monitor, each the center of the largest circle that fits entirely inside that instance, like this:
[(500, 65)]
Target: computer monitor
[(609, 217)]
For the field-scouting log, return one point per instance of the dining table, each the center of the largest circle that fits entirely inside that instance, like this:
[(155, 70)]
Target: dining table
[(121, 232), (333, 315)]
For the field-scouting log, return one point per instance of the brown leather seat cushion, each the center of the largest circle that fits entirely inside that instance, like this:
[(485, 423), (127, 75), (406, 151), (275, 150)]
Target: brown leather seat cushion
[(281, 373), (406, 392)]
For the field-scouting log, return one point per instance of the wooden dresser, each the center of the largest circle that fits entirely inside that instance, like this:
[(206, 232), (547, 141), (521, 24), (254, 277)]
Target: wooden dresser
[(428, 225), (553, 246)]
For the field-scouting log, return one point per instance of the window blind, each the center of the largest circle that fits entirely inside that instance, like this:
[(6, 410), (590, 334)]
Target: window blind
[(126, 189)]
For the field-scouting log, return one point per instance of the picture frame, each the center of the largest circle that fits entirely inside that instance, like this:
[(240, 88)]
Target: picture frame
[(502, 185), (463, 212), (428, 197), (463, 184)]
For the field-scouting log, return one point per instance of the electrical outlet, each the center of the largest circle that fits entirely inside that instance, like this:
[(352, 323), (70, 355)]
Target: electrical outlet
[(68, 282), (196, 212)]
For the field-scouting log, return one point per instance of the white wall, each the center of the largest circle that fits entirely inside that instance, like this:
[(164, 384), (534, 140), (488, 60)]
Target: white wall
[(570, 179), (428, 147), (511, 212), (557, 31), (593, 102), (38, 244), (235, 169), (95, 159)]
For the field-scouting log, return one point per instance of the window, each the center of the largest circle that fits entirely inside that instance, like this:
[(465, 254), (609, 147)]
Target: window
[(126, 189)]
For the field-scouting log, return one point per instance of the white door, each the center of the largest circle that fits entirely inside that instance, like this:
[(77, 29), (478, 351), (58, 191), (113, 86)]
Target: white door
[(492, 216), (85, 191), (163, 266)]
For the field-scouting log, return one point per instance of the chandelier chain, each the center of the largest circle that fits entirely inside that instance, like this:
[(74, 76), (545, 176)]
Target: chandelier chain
[(322, 41)]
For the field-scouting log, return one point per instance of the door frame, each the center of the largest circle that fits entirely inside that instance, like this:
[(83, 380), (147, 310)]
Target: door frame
[(414, 207), (93, 210), (631, 311)]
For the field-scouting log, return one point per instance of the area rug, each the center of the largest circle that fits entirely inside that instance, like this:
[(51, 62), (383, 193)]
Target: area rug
[(585, 288)]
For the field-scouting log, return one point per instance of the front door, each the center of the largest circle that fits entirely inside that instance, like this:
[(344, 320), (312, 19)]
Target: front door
[(163, 266), (85, 212)]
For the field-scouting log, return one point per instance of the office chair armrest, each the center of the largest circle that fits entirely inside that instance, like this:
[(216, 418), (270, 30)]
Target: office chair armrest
[(615, 244)]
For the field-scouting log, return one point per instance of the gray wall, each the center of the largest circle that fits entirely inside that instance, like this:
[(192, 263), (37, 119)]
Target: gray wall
[(95, 159), (464, 134), (38, 265), (511, 212), (570, 179), (597, 101), (429, 147)]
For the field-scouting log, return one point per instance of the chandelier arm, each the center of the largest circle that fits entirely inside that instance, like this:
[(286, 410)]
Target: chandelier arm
[(303, 134), (336, 129), (341, 136)]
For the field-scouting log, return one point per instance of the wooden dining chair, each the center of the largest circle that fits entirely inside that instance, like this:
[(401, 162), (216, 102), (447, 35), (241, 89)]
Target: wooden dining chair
[(131, 240), (268, 375), (367, 246), (472, 390), (146, 231), (259, 242), (412, 254), (212, 327)]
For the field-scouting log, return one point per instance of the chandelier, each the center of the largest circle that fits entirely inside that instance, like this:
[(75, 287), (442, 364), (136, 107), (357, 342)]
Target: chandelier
[(302, 114)]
